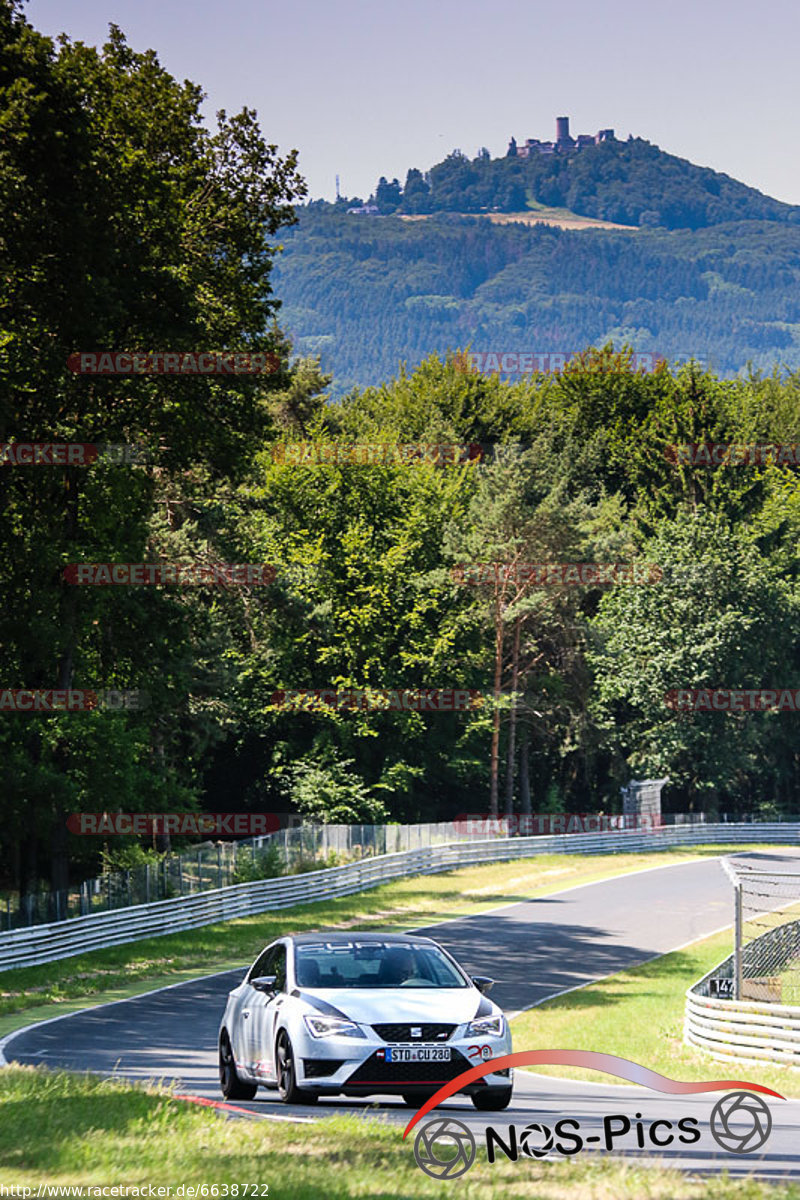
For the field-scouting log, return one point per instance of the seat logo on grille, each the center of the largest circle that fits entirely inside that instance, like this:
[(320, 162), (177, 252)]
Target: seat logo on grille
[(416, 1031)]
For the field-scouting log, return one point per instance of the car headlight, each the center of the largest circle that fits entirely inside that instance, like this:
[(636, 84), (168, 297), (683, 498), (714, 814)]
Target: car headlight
[(320, 1027), (486, 1027)]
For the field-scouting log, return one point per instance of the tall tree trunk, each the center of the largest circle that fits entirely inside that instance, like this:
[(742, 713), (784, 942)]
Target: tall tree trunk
[(59, 853), (524, 772), (28, 860), (498, 687), (163, 841), (512, 723)]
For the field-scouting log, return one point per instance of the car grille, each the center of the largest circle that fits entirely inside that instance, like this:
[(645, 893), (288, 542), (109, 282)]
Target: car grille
[(402, 1033), (376, 1071)]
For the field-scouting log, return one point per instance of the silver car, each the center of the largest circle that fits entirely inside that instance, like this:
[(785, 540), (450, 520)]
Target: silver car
[(358, 1014)]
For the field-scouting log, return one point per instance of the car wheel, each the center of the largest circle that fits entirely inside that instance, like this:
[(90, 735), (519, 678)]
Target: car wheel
[(233, 1088), (416, 1099), (288, 1090), (492, 1099)]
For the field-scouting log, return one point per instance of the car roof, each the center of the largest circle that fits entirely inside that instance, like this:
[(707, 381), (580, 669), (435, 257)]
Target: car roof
[(339, 938)]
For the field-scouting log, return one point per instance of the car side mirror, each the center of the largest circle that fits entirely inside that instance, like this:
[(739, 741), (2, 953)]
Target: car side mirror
[(264, 983), (483, 983)]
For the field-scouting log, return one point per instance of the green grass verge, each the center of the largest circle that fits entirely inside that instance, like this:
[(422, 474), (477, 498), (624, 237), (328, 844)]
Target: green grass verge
[(37, 993), (64, 1129), (638, 1014)]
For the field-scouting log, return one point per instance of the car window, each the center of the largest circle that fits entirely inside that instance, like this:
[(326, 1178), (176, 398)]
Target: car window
[(278, 968), (374, 965), (272, 962), (263, 964)]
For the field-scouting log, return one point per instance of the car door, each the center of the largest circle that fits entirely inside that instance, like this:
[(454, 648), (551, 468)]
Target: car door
[(248, 1042), (265, 1011)]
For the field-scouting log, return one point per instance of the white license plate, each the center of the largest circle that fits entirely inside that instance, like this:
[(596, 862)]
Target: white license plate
[(418, 1054)]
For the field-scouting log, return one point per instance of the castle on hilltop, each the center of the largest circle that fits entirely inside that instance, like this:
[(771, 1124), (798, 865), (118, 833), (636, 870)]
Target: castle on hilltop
[(564, 144)]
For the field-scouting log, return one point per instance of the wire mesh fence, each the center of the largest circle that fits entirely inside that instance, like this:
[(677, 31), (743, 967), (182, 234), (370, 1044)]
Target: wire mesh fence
[(200, 868), (210, 865), (766, 958), (292, 850)]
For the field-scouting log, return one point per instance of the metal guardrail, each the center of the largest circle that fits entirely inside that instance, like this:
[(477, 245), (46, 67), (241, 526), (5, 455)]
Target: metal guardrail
[(64, 939), (748, 1030), (744, 1030)]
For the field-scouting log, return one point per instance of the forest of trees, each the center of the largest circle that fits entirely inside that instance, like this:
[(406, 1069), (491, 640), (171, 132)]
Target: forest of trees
[(128, 225), (367, 293)]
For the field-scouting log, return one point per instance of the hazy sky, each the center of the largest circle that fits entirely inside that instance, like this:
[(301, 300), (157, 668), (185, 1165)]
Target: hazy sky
[(365, 88)]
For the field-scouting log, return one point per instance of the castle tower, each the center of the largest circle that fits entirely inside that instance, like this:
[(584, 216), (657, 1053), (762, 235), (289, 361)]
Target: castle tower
[(562, 129)]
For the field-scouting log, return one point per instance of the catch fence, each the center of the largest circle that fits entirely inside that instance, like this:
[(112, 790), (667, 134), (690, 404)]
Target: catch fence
[(61, 939), (210, 865), (748, 1007), (766, 950)]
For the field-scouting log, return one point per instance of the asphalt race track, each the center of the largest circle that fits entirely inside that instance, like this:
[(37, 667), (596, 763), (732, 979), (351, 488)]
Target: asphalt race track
[(534, 949)]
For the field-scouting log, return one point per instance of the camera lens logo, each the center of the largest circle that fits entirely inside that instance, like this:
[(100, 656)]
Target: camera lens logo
[(444, 1148), (740, 1123), (533, 1134)]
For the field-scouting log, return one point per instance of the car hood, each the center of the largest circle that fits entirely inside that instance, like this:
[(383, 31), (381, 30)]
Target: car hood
[(370, 1006)]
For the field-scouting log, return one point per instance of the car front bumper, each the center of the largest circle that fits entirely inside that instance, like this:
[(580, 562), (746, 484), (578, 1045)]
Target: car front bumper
[(359, 1067)]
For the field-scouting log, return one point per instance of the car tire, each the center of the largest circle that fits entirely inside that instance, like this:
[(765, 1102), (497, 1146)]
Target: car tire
[(231, 1086), (492, 1099), (288, 1090), (416, 1099)]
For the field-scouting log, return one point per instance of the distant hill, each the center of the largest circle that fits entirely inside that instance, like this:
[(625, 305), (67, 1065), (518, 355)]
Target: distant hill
[(633, 183), (715, 273)]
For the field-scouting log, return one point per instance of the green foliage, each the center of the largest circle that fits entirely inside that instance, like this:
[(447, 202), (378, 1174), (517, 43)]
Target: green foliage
[(722, 617), (302, 865), (263, 862), (127, 224), (128, 858), (327, 790)]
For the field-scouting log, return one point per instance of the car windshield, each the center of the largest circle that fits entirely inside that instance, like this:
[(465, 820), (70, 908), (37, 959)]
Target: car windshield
[(375, 965)]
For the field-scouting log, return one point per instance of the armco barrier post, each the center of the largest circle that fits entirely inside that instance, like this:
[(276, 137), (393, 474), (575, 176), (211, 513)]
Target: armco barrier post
[(737, 941)]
